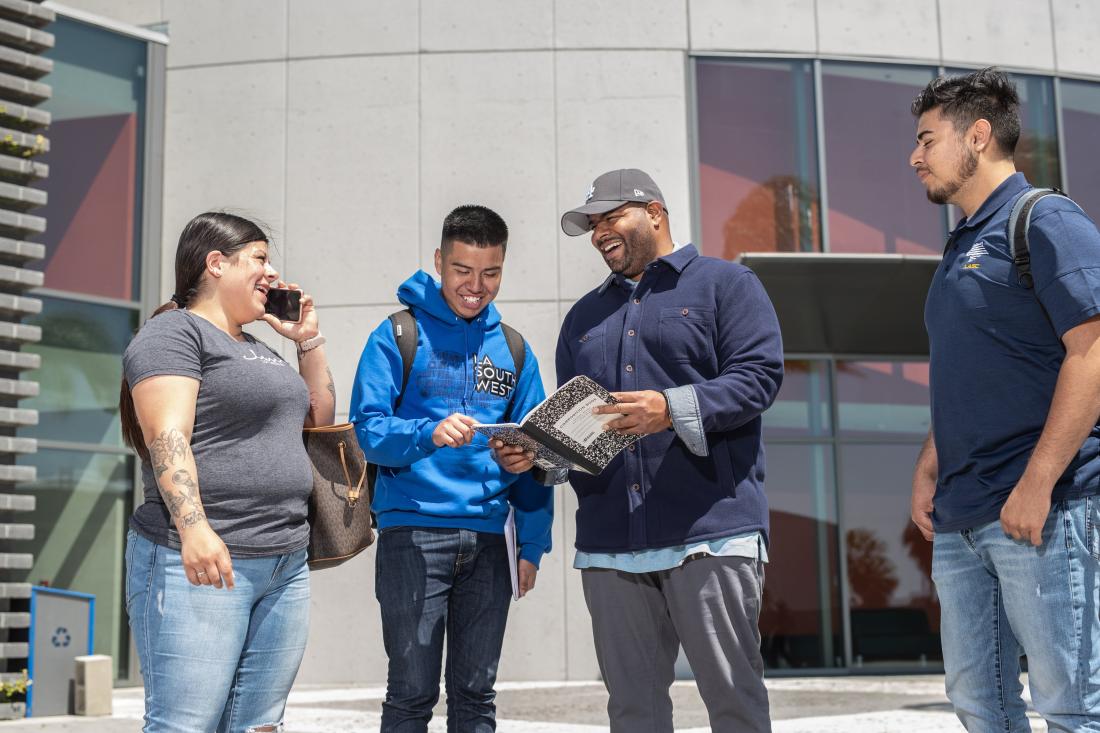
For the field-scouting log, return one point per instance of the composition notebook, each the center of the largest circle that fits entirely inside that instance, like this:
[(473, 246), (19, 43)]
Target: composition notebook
[(562, 431)]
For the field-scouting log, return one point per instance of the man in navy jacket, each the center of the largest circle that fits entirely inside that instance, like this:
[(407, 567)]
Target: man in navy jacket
[(672, 536)]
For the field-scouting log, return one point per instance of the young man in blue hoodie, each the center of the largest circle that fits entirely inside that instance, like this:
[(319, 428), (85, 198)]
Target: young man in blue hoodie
[(441, 496)]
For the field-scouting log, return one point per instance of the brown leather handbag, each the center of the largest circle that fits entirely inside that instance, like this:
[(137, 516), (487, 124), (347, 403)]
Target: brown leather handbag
[(339, 512)]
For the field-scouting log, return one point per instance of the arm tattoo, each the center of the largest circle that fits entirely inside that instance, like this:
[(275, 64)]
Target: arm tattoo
[(331, 384), (181, 497), (195, 517), (166, 448), (187, 493)]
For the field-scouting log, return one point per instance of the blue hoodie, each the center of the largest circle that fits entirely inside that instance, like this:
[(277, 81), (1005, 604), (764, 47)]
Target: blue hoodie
[(460, 366)]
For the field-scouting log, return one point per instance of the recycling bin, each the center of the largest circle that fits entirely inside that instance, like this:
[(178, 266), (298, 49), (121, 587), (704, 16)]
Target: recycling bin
[(61, 630)]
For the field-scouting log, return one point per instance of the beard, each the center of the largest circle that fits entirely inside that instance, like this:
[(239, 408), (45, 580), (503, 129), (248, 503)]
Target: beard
[(968, 165), (639, 249)]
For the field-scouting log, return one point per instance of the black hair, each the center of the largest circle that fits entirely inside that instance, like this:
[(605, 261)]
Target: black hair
[(983, 95), (226, 233), (476, 225)]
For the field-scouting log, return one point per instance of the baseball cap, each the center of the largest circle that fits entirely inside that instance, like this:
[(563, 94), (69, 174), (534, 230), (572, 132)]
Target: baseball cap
[(609, 192)]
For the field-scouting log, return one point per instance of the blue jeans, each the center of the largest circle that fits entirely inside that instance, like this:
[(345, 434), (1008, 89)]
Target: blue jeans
[(433, 583), (212, 659), (1001, 599)]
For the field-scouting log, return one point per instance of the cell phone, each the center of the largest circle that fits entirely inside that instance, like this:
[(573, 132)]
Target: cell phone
[(285, 304)]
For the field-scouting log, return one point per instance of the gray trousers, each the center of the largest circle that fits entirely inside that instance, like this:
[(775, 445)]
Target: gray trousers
[(711, 606)]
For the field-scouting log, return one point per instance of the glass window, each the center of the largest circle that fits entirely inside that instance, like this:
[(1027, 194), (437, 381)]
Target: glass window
[(81, 371), (1081, 127), (895, 616), (802, 406), (84, 501), (757, 157), (1037, 150), (876, 202), (877, 399), (801, 619), (96, 160)]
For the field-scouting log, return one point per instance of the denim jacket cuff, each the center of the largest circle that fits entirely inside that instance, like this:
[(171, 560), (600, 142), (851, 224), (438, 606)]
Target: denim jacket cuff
[(550, 478), (687, 421)]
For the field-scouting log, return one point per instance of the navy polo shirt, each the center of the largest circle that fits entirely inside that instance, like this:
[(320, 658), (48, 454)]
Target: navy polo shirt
[(996, 351)]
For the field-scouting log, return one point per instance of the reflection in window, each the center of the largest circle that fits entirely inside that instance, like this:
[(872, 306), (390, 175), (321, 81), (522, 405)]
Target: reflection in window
[(876, 202), (95, 140), (1037, 151), (757, 157), (802, 406), (801, 619), (84, 501), (1081, 125), (895, 616), (81, 350), (877, 399)]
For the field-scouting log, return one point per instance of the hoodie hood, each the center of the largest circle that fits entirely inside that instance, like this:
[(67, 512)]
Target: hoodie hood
[(424, 293)]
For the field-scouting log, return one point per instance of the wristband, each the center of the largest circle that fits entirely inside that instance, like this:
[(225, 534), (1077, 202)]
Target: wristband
[(310, 344)]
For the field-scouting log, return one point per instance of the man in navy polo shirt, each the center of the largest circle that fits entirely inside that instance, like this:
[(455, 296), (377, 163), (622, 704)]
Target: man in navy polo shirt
[(1006, 484), (671, 537)]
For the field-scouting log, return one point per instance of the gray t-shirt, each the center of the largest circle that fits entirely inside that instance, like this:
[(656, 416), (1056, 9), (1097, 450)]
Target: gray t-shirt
[(254, 475)]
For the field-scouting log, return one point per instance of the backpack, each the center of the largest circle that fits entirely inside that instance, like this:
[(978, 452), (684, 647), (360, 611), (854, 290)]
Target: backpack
[(1019, 222), (406, 333)]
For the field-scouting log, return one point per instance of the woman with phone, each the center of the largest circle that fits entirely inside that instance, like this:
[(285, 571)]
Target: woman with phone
[(217, 583)]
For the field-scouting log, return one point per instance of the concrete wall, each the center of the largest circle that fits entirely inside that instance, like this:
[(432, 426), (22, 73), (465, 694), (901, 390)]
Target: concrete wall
[(352, 127)]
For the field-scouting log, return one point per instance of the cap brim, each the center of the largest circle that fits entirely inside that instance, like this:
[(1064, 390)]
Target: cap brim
[(575, 222)]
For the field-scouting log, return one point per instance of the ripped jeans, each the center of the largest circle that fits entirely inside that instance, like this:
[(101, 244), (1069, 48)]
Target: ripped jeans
[(216, 660), (1001, 599)]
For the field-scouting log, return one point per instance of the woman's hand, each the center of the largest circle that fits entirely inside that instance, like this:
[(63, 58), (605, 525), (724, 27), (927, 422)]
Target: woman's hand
[(205, 557), (306, 328)]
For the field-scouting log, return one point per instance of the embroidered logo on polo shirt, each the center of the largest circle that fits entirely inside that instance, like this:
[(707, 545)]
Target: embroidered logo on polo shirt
[(492, 379), (978, 250)]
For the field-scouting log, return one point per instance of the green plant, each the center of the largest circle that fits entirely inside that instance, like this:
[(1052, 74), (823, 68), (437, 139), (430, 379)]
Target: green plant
[(14, 690)]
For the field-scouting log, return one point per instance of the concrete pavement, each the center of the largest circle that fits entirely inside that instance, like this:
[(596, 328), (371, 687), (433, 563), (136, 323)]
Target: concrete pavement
[(864, 704)]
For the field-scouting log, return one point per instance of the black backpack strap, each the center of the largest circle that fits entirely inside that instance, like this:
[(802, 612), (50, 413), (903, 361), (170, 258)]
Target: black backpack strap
[(516, 345), (518, 348), (1019, 222), (407, 335)]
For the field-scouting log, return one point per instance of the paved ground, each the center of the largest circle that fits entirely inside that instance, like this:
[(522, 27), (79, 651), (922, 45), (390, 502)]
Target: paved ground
[(810, 705)]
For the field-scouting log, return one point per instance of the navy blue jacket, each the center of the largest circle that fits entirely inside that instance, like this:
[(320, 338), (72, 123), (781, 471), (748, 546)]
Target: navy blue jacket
[(694, 321)]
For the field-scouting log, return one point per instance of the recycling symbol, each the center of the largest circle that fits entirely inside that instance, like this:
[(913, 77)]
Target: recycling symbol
[(61, 637)]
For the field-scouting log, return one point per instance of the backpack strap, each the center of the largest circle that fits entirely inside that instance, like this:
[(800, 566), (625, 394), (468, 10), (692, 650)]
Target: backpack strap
[(516, 345), (1019, 223), (407, 335)]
